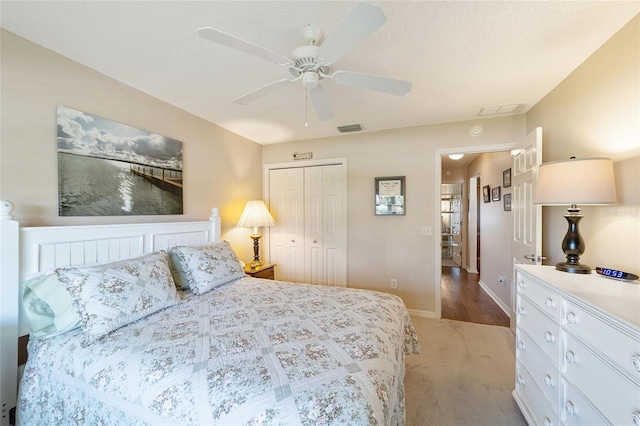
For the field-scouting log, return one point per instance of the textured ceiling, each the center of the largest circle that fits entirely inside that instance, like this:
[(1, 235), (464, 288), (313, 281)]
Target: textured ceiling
[(460, 55)]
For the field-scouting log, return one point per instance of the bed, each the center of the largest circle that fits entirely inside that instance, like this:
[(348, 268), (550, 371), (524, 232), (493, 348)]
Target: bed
[(200, 343)]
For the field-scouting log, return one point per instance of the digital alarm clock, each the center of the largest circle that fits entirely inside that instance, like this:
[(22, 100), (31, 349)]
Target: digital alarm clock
[(615, 274)]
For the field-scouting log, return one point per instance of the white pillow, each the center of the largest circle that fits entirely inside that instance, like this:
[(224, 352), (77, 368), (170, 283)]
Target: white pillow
[(48, 306), (112, 295), (209, 266)]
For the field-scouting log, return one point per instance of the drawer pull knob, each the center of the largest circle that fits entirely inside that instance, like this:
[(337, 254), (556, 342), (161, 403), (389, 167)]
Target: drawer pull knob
[(522, 311), (571, 318), (549, 337), (522, 284), (548, 380), (315, 241), (570, 408), (520, 380), (570, 357), (546, 421), (521, 345), (635, 361), (549, 303), (635, 418)]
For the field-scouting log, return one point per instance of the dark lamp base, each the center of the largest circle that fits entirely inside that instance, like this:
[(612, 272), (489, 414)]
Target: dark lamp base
[(573, 268)]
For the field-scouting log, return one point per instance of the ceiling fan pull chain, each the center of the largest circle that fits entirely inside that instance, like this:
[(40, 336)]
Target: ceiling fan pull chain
[(306, 107)]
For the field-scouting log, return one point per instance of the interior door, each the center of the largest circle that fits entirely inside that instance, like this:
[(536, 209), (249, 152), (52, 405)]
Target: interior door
[(526, 244)]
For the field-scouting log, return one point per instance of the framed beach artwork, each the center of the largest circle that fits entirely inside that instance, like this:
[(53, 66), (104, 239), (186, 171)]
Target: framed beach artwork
[(107, 168)]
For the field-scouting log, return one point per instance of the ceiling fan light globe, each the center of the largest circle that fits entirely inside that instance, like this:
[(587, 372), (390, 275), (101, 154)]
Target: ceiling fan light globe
[(310, 80)]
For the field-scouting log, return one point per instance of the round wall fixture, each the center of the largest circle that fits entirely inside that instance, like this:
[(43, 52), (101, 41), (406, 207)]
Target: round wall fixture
[(475, 130)]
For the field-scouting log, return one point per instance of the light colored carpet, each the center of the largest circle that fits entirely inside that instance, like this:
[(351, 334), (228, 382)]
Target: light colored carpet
[(464, 375)]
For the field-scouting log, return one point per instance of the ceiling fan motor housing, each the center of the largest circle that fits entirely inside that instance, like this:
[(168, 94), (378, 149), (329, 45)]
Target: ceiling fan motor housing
[(305, 58), (312, 35)]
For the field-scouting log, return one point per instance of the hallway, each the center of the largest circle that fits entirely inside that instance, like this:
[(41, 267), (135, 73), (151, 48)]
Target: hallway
[(464, 300)]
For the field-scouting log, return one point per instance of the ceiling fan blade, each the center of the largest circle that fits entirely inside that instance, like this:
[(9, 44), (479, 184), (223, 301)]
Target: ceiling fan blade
[(263, 91), (362, 21), (321, 103), (372, 82), (244, 46)]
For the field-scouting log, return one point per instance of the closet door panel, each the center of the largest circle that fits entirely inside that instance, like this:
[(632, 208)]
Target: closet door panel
[(313, 224), (334, 234), (277, 233), (286, 199)]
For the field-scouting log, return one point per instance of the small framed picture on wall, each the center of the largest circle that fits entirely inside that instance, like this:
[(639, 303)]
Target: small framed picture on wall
[(507, 202), (485, 194), (506, 178), (390, 195), (495, 194)]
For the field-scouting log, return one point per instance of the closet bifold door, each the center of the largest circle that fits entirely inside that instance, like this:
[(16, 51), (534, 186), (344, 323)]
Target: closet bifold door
[(286, 203), (308, 243)]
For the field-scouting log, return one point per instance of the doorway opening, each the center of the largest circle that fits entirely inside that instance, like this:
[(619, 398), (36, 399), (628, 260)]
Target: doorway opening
[(461, 294)]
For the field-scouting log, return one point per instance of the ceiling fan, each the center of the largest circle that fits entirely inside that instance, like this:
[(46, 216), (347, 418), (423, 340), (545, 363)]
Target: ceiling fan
[(313, 62)]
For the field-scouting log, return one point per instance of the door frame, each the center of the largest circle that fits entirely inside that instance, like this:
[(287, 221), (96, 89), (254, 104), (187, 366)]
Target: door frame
[(475, 149), (266, 169), (472, 237)]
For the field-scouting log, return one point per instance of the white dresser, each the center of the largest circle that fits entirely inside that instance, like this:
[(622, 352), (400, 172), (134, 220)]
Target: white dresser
[(577, 348)]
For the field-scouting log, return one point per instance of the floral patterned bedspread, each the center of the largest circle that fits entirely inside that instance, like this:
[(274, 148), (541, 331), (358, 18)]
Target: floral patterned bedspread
[(250, 352)]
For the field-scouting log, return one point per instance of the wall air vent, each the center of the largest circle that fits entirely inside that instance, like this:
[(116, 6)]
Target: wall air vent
[(350, 128)]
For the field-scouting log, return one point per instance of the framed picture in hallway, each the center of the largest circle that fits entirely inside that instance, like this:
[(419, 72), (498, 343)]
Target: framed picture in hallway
[(507, 202), (485, 194), (506, 178), (495, 194)]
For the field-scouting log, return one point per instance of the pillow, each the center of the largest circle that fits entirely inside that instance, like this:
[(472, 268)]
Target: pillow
[(208, 267), (179, 274), (48, 306), (113, 295)]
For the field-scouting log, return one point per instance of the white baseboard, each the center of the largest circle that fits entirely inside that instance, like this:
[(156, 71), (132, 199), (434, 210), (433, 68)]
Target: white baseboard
[(495, 298), (422, 314)]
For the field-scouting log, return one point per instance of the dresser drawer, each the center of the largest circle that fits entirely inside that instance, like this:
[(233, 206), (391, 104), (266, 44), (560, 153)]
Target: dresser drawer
[(621, 347), (530, 394), (576, 410), (541, 295), (539, 367), (540, 328), (615, 395)]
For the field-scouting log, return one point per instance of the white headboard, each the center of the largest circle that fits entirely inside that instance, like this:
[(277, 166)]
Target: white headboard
[(27, 252)]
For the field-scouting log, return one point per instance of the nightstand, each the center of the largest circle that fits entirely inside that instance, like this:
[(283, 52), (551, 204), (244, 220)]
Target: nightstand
[(264, 271)]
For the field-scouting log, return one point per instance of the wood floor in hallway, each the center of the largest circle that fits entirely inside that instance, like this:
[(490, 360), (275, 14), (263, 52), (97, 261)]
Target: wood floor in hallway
[(464, 300)]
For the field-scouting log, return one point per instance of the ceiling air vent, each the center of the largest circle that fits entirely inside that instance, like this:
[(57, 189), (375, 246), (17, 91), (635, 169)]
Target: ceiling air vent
[(350, 128)]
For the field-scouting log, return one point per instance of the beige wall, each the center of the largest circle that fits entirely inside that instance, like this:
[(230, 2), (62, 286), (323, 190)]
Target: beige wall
[(594, 112), (385, 247), (220, 168)]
